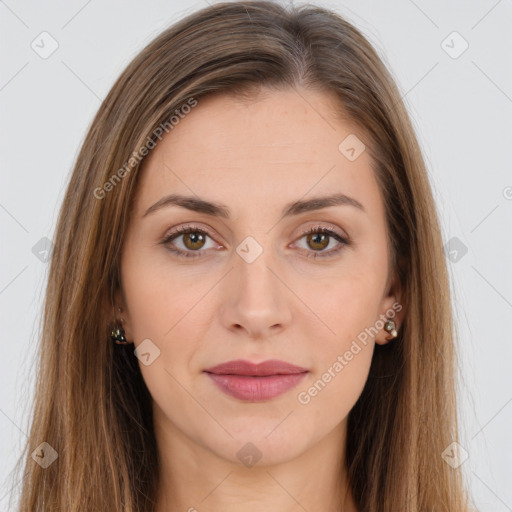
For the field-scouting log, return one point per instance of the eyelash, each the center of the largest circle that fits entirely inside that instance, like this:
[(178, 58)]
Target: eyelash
[(197, 254)]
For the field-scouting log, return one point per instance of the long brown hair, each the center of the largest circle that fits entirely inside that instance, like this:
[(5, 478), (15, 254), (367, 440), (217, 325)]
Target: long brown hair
[(91, 403)]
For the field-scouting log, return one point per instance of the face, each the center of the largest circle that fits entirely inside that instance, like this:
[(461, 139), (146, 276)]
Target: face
[(253, 277)]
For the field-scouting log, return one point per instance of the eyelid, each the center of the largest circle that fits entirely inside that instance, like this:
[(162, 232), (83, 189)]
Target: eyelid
[(190, 226), (322, 225)]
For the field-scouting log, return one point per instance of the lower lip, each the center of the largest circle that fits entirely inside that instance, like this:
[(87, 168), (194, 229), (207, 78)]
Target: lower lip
[(256, 389)]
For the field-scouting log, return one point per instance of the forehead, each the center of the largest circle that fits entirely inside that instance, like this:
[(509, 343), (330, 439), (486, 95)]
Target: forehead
[(275, 146)]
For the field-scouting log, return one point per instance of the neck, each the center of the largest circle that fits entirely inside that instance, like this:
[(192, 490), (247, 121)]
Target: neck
[(195, 479)]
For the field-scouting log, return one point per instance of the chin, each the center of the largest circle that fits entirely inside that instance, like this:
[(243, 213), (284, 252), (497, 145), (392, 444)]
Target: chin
[(261, 442)]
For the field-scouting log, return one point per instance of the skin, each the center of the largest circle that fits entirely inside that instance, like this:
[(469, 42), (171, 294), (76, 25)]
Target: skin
[(255, 157)]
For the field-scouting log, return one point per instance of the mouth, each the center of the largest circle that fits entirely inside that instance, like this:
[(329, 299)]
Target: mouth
[(252, 382)]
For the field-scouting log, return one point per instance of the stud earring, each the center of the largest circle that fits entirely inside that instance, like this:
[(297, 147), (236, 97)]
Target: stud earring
[(390, 327), (118, 337)]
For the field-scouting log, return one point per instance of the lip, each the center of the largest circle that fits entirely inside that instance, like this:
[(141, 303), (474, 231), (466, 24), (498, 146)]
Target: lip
[(256, 382)]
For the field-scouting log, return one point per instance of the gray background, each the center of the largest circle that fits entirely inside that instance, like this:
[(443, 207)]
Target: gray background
[(461, 106)]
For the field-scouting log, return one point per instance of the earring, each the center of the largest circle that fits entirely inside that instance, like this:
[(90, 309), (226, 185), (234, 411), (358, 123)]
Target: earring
[(390, 327), (117, 336)]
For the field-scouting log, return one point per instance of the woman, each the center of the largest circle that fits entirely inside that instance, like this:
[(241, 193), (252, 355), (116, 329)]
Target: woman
[(248, 305)]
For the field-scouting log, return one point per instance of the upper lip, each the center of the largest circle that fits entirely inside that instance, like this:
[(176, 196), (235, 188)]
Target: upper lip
[(242, 367)]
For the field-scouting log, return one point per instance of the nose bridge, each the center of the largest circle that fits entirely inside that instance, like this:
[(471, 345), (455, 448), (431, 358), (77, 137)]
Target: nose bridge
[(257, 284), (258, 300)]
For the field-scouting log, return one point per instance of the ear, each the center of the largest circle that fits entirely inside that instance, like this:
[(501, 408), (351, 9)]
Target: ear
[(391, 308), (122, 315)]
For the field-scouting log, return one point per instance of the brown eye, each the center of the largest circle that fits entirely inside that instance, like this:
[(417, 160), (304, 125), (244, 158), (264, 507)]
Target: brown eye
[(194, 240), (192, 244), (319, 238), (318, 241)]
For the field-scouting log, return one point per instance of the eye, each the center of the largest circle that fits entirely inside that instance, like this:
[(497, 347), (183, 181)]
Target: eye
[(193, 241), (318, 238)]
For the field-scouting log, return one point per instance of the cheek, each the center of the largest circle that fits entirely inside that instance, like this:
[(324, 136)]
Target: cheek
[(343, 354), (168, 306), (165, 312), (349, 303), (158, 295), (148, 301), (329, 395)]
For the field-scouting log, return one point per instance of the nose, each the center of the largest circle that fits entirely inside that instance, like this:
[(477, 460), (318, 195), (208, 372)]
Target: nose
[(256, 301)]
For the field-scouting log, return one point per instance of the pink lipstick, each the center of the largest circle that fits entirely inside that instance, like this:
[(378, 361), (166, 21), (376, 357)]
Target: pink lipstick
[(256, 382)]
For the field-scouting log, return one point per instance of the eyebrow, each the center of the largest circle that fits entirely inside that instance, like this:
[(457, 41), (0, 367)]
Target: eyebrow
[(215, 209)]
